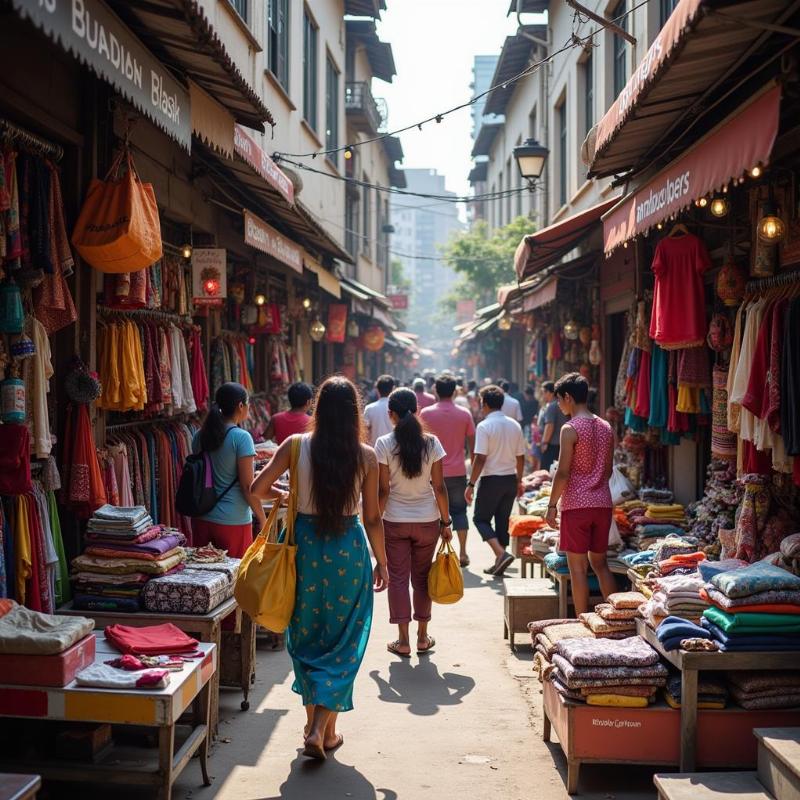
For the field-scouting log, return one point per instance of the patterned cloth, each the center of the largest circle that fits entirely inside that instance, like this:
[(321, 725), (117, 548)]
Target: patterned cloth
[(575, 677), (634, 652), (759, 577), (330, 626), (627, 600), (599, 625), (752, 516), (723, 441)]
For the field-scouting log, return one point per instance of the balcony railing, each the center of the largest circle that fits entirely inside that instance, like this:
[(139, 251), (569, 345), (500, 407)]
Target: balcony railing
[(361, 108)]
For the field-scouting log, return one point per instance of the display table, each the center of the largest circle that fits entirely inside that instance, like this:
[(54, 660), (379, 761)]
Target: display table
[(562, 581), (690, 664), (19, 787), (652, 735), (205, 627), (158, 709)]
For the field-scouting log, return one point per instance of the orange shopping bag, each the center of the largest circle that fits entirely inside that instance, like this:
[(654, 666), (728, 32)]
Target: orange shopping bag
[(118, 229)]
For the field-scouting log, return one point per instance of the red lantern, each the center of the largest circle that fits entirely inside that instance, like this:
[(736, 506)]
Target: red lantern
[(731, 284), (374, 338)]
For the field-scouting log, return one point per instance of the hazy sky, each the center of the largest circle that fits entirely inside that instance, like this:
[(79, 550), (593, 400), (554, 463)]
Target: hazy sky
[(434, 42)]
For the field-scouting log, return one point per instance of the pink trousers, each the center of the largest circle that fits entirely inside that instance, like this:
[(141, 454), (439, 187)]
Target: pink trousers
[(410, 547)]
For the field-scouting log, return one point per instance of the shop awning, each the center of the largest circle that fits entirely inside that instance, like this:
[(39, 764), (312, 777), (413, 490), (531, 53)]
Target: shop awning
[(529, 294), (514, 58), (736, 145), (364, 292), (327, 281), (181, 33), (549, 245), (702, 43)]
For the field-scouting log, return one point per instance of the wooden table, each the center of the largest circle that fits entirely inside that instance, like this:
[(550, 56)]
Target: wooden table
[(690, 664), (158, 709), (19, 787), (206, 627), (562, 580)]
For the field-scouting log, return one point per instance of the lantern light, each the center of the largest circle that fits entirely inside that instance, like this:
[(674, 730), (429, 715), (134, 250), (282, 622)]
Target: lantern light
[(530, 157), (211, 287), (348, 153), (186, 251), (755, 172), (260, 299), (316, 330), (504, 323), (719, 207), (252, 340), (571, 330), (770, 227), (306, 303), (701, 202)]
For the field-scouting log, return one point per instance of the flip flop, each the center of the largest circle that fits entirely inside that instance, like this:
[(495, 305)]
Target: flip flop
[(505, 562), (392, 648), (339, 743), (464, 561), (314, 751), (431, 645)]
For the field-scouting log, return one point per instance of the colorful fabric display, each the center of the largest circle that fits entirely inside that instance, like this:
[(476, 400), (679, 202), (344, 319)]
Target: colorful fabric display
[(153, 640), (26, 632), (674, 629), (758, 577), (103, 676), (626, 600)]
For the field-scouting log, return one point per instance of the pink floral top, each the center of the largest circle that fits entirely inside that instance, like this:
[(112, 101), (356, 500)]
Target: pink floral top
[(587, 486)]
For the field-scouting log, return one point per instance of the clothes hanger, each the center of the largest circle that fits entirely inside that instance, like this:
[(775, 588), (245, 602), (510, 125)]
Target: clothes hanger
[(678, 229)]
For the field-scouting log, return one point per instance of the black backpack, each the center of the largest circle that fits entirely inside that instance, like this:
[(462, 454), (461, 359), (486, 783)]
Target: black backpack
[(196, 496)]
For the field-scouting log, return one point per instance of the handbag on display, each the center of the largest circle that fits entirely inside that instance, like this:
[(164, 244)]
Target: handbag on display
[(265, 585), (445, 580), (118, 229)]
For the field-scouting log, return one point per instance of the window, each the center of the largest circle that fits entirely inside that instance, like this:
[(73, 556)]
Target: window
[(588, 92), (278, 40), (309, 71), (620, 50), (331, 109), (667, 7), (240, 6), (561, 112), (366, 216)]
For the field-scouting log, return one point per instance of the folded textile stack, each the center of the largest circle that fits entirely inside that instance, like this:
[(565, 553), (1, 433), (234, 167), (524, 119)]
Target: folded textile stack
[(675, 595), (124, 550), (198, 589), (649, 494), (712, 693), (525, 525), (754, 608), (607, 672), (673, 630), (768, 689), (535, 503), (536, 479), (680, 563), (545, 634), (603, 627), (152, 640)]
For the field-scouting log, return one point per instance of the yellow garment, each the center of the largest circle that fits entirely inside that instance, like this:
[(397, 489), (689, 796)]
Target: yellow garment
[(704, 704), (688, 399), (22, 548), (616, 700), (654, 509)]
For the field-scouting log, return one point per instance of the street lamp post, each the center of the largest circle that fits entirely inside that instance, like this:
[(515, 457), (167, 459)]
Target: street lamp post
[(530, 157)]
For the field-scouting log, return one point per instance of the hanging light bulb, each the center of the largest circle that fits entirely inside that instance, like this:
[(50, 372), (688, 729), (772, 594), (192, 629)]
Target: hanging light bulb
[(306, 303), (755, 172), (719, 207), (316, 330), (504, 323), (660, 226), (571, 330), (701, 202), (186, 251), (260, 299), (348, 153), (770, 227)]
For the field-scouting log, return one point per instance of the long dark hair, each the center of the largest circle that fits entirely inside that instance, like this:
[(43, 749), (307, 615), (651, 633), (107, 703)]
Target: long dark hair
[(412, 443), (337, 458), (226, 401)]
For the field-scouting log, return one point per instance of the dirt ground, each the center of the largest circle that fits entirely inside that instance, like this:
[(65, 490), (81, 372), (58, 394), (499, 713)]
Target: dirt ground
[(462, 722)]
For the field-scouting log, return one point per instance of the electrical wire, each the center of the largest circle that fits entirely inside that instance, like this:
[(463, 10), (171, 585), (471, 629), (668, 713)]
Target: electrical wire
[(574, 41)]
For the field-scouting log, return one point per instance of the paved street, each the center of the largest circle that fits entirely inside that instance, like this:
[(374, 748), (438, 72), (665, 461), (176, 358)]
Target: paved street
[(462, 722)]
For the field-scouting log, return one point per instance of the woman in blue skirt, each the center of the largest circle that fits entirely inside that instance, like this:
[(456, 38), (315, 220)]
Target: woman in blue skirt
[(329, 630)]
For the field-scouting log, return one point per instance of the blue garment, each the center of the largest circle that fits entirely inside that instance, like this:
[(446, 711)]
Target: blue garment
[(332, 617), (658, 387), (642, 557), (232, 509), (674, 629), (758, 577), (748, 642)]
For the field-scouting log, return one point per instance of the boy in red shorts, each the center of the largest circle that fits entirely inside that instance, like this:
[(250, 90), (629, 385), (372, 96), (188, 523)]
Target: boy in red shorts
[(581, 484)]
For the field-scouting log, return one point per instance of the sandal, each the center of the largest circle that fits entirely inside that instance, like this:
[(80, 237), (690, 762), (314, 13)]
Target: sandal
[(393, 647), (314, 751), (431, 644), (339, 743), (464, 561)]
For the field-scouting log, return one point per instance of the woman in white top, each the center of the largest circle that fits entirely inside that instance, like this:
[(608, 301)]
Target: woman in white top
[(413, 501), (330, 625)]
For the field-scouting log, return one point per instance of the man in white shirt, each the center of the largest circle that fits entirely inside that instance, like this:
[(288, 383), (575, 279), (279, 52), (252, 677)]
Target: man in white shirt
[(376, 415), (498, 460), (511, 406)]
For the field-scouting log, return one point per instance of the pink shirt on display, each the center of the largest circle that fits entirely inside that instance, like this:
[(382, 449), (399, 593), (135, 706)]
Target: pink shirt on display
[(451, 425)]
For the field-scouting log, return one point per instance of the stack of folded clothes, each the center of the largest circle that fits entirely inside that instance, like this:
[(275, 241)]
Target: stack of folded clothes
[(606, 672), (712, 692), (124, 550), (649, 494), (760, 690), (604, 627), (680, 563), (675, 595), (674, 630), (545, 634), (754, 608)]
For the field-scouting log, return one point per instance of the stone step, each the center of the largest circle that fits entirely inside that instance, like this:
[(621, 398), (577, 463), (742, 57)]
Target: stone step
[(779, 761), (710, 785)]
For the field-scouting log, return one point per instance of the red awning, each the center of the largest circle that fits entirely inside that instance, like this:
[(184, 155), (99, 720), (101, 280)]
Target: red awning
[(700, 46), (547, 246), (735, 146)]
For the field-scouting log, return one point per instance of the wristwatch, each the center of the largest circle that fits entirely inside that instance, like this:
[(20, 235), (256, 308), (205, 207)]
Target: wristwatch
[(443, 524), (471, 485)]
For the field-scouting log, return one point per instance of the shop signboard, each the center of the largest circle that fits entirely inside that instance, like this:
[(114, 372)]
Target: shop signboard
[(95, 34), (337, 322), (465, 311), (209, 276), (265, 238), (399, 301), (248, 149)]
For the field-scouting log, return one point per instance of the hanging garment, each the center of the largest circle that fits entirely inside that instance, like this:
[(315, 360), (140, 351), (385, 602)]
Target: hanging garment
[(790, 379), (723, 440), (36, 373), (82, 489), (659, 363)]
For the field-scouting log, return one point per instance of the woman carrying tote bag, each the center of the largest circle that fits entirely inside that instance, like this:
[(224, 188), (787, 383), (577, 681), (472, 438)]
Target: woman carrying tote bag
[(330, 626)]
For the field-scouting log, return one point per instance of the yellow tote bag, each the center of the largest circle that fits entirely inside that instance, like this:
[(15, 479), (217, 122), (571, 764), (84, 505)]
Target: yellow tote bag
[(445, 581), (265, 585)]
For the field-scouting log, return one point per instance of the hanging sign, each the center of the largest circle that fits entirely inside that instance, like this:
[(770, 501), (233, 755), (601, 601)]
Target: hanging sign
[(465, 311), (99, 39), (399, 301), (265, 238), (337, 322), (209, 276), (248, 149)]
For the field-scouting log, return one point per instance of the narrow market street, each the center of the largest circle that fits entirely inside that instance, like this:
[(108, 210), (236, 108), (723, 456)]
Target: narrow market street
[(464, 722)]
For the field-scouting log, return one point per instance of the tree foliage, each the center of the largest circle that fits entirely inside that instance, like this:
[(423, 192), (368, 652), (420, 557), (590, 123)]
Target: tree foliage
[(484, 259)]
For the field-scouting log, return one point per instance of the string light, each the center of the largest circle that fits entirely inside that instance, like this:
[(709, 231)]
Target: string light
[(186, 251), (755, 172), (719, 207), (260, 299), (306, 303)]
